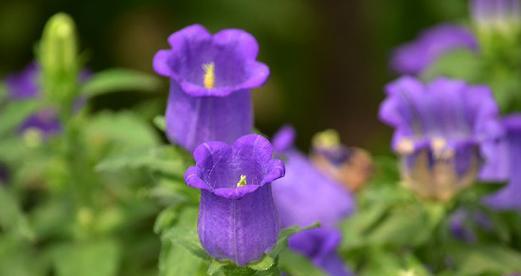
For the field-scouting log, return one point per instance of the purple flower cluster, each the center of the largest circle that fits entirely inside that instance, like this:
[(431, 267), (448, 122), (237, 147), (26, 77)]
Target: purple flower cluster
[(209, 108)]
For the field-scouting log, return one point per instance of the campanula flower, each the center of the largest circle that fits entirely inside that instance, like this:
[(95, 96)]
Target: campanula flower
[(443, 130), (505, 166), (305, 196), (414, 57), (350, 166), (320, 246), (211, 78), (238, 220), (500, 15)]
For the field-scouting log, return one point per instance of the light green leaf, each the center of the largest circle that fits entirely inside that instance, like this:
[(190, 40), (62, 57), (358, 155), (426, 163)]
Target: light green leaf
[(14, 113), (164, 159), (117, 80), (486, 259), (100, 258), (461, 64), (297, 265), (122, 131), (11, 217), (159, 122), (263, 264)]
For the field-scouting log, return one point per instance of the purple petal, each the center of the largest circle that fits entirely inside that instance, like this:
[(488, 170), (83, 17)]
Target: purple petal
[(241, 230), (414, 57), (510, 196), (304, 196), (24, 85), (191, 121), (232, 52), (284, 138)]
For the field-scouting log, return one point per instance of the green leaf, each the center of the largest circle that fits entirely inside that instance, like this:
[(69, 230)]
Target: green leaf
[(121, 131), (160, 122), (11, 217), (165, 159), (461, 64), (117, 80), (14, 113), (98, 258), (215, 267), (264, 264), (297, 265), (486, 259)]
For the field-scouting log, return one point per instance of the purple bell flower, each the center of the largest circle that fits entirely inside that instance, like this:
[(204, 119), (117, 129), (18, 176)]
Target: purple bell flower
[(505, 166), (443, 129), (320, 246), (416, 56), (211, 78), (238, 220), (305, 196), (496, 14)]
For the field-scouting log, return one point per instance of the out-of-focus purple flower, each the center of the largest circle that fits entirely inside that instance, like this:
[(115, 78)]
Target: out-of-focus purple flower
[(320, 246), (443, 129), (305, 196), (414, 57), (24, 86), (496, 14), (507, 162), (350, 166), (211, 78), (237, 216)]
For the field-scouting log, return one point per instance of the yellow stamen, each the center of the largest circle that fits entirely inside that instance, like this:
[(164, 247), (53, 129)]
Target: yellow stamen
[(209, 75), (242, 181)]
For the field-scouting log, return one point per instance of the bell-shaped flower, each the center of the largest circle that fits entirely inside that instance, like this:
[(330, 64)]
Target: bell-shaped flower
[(211, 78), (443, 131), (414, 57), (350, 166), (496, 15), (238, 220), (505, 165), (306, 196)]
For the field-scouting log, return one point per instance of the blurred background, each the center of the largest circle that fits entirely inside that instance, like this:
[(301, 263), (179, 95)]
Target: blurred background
[(328, 58)]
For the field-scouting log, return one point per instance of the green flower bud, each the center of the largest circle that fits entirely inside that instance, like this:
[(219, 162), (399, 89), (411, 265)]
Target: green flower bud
[(58, 56)]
